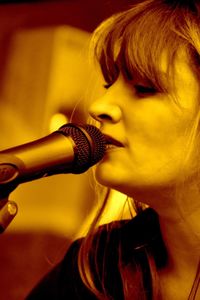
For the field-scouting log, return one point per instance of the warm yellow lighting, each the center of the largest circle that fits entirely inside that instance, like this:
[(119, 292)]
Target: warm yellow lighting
[(57, 120), (118, 207)]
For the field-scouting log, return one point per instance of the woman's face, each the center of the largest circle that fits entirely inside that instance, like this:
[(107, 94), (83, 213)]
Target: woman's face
[(149, 128)]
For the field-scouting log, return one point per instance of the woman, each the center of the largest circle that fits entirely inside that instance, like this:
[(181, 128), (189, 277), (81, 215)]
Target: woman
[(149, 58)]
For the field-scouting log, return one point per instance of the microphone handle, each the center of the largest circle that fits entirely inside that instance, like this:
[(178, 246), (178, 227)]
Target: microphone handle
[(46, 156)]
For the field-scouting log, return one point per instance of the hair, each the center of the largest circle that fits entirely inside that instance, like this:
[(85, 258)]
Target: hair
[(128, 41)]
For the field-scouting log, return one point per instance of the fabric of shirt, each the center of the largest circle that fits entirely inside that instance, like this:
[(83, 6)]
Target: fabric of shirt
[(133, 236)]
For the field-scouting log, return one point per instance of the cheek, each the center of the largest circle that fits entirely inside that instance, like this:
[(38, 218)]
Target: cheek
[(158, 141), (155, 151), (156, 123)]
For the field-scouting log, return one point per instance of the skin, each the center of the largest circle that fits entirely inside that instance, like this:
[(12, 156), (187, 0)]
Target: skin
[(153, 130)]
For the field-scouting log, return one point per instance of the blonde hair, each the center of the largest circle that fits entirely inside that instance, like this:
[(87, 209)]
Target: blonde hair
[(135, 40)]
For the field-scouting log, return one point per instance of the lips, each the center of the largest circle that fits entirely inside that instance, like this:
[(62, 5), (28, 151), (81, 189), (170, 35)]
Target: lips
[(111, 141)]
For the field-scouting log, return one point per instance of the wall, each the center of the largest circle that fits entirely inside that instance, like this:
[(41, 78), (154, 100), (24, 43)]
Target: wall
[(45, 73)]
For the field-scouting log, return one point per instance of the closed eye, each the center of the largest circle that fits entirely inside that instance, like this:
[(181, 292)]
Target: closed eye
[(141, 89)]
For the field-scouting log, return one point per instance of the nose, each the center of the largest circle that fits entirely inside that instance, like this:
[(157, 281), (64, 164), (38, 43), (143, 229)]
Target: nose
[(103, 111)]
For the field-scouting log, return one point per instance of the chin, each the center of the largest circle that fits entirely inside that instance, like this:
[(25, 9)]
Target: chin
[(106, 177), (104, 180), (111, 178)]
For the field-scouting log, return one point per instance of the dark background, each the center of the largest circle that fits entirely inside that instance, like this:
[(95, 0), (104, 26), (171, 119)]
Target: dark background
[(85, 14)]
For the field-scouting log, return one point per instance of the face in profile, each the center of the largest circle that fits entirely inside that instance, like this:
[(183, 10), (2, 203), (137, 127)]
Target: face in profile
[(148, 129)]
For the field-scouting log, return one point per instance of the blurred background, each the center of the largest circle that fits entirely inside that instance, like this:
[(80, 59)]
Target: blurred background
[(45, 81)]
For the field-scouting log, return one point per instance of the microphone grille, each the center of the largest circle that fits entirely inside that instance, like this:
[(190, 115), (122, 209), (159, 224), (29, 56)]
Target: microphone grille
[(90, 145)]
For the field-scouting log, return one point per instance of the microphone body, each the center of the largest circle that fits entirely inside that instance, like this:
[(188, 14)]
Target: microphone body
[(71, 149)]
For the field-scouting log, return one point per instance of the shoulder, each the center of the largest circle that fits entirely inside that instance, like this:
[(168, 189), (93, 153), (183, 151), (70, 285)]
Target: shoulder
[(130, 235), (63, 281), (127, 235), (138, 231), (111, 243)]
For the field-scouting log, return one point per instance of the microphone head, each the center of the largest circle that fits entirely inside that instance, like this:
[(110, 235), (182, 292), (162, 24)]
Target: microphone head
[(90, 145)]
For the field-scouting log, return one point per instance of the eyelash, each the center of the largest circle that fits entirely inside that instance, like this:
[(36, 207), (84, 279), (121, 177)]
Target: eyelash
[(141, 89)]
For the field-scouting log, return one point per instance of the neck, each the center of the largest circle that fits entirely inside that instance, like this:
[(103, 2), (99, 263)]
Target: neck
[(179, 217), (180, 228), (182, 240)]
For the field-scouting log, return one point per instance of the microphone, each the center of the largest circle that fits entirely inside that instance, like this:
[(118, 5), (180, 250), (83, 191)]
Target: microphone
[(73, 148)]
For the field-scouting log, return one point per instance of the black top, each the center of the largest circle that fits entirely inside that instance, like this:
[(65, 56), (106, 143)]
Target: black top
[(134, 237)]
